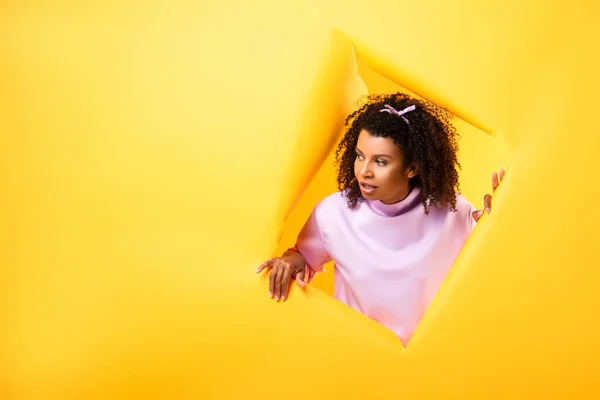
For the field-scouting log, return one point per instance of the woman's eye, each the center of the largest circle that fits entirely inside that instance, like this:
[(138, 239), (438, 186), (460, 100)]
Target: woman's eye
[(381, 162), (359, 156)]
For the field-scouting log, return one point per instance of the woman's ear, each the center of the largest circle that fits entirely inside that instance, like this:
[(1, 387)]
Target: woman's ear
[(412, 171)]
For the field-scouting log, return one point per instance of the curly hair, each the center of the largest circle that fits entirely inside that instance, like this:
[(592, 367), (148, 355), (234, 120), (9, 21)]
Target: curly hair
[(429, 141)]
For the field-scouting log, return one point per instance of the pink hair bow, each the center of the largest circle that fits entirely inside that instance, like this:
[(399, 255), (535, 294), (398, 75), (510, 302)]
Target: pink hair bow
[(392, 110)]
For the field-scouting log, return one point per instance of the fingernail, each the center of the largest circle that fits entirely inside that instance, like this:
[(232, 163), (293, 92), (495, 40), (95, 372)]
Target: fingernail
[(276, 298), (487, 210), (479, 213), (282, 298), (271, 294)]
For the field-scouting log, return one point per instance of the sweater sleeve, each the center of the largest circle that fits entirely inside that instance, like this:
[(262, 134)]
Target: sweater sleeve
[(311, 245)]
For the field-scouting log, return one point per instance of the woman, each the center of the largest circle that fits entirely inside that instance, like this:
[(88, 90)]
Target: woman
[(397, 224)]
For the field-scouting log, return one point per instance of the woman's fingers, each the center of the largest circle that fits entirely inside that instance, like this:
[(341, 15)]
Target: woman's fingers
[(495, 181), (300, 278), (272, 281), (285, 280), (281, 276), (487, 203), (264, 265)]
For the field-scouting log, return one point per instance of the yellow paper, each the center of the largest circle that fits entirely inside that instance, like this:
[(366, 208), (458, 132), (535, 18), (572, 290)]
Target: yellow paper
[(154, 153)]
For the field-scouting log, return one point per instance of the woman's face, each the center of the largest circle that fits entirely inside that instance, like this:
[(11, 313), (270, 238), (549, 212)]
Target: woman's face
[(380, 170)]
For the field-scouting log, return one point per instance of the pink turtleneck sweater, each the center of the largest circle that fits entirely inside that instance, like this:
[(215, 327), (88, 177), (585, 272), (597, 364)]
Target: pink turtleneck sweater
[(390, 260)]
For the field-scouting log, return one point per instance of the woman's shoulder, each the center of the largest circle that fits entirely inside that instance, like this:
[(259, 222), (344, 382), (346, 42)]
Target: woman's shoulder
[(333, 202), (332, 210), (463, 213), (462, 208), (460, 216), (334, 207), (462, 204)]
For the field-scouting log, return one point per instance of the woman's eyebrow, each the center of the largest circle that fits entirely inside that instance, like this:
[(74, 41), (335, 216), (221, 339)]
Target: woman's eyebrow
[(376, 155)]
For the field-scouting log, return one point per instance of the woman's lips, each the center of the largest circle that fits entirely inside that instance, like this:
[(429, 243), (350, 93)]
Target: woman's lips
[(366, 188)]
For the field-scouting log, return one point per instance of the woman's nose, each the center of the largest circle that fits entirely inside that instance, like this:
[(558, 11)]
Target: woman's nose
[(365, 170)]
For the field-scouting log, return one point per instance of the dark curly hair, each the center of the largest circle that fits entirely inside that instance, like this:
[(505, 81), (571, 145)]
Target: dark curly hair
[(429, 141)]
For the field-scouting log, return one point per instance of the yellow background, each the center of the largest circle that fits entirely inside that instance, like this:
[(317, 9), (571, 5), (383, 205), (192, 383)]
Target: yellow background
[(152, 155)]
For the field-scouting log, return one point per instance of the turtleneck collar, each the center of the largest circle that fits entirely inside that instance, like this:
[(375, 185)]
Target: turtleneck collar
[(393, 210)]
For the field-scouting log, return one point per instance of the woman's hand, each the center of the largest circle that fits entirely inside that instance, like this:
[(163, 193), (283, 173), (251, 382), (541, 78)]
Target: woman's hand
[(487, 199), (284, 269)]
